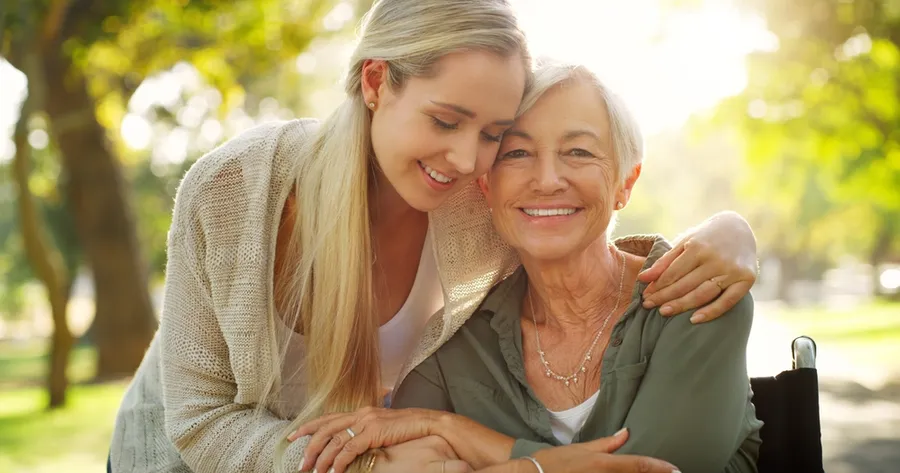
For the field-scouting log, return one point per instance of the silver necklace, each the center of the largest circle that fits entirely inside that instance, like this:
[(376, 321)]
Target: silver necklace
[(587, 356)]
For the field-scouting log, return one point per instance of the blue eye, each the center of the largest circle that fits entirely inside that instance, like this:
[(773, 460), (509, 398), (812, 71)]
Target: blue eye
[(444, 125)]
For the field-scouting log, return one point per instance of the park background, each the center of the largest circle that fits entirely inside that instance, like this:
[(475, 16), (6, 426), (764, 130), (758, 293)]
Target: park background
[(787, 112)]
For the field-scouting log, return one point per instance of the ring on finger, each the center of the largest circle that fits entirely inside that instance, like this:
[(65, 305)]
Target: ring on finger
[(350, 432)]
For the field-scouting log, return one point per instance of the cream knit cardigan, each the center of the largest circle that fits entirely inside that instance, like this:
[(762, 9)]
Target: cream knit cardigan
[(190, 407)]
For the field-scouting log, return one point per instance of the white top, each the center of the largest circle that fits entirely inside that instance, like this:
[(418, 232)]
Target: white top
[(565, 424), (397, 338)]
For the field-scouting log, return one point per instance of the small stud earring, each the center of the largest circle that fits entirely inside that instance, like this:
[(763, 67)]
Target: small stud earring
[(620, 206), (372, 105)]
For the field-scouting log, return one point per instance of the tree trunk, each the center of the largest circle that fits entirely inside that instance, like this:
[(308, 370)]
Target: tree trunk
[(61, 342), (44, 258), (125, 321)]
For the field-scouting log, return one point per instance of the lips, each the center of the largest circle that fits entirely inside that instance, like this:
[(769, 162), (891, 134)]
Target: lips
[(549, 212)]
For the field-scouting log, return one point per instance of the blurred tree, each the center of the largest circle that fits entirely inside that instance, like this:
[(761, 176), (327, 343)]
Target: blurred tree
[(821, 123), (90, 56), (46, 260)]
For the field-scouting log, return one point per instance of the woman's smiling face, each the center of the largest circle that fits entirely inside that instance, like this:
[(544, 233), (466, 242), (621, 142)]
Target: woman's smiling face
[(555, 184)]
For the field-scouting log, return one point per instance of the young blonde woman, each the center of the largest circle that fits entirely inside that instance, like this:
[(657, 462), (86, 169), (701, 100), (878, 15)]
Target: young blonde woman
[(305, 260)]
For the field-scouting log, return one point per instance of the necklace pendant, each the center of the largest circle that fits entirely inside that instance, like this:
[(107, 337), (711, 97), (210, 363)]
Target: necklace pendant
[(583, 369), (567, 382), (549, 373), (588, 358), (575, 380)]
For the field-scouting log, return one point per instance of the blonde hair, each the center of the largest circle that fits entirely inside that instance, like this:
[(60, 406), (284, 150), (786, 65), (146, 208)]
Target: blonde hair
[(627, 140), (330, 257)]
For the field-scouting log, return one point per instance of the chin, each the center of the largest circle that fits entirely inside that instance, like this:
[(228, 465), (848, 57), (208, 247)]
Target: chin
[(548, 251), (423, 202)]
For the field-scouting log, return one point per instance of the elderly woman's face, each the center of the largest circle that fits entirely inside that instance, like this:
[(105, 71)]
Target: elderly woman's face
[(554, 186)]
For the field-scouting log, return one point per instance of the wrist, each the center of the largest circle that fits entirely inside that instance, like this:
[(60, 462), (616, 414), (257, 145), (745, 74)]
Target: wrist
[(530, 465), (443, 424), (478, 445)]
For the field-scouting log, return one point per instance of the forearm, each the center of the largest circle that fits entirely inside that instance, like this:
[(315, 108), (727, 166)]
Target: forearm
[(479, 446), (510, 466)]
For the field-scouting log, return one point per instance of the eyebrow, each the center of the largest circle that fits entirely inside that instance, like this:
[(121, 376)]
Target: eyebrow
[(519, 133), (579, 133), (466, 112)]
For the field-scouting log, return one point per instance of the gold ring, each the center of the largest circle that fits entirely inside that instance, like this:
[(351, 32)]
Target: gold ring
[(370, 465)]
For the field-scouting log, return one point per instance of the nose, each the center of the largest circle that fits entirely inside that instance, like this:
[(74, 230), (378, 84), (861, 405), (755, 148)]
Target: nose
[(463, 155), (548, 179)]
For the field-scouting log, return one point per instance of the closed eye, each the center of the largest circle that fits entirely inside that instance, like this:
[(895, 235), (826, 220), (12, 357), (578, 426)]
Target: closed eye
[(492, 138), (442, 124)]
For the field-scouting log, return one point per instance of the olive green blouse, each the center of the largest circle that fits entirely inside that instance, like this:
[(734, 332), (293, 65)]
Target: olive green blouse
[(681, 389)]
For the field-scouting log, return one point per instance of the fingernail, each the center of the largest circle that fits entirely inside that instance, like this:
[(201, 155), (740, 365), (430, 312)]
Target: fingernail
[(302, 462), (697, 318), (666, 310), (676, 471), (331, 470), (621, 432)]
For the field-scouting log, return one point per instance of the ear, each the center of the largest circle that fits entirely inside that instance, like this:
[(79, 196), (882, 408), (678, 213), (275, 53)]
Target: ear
[(484, 185), (373, 80), (624, 193)]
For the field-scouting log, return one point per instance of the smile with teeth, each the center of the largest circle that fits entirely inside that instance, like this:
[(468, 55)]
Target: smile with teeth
[(549, 212), (442, 178)]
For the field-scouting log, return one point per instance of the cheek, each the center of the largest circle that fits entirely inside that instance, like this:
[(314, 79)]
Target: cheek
[(487, 155), (601, 184)]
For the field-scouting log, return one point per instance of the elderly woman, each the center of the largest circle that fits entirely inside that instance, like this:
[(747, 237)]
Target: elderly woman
[(563, 351)]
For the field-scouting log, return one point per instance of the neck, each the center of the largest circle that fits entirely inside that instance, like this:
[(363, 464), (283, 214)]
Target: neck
[(572, 293), (387, 209)]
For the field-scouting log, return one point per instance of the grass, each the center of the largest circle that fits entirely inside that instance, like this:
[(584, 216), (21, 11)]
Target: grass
[(74, 439), (869, 334), (870, 323), (24, 363)]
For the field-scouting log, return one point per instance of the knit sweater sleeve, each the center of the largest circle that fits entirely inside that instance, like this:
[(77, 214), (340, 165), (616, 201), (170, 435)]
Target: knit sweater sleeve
[(210, 430)]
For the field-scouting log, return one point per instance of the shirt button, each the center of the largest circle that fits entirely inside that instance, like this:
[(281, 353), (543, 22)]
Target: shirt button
[(617, 342)]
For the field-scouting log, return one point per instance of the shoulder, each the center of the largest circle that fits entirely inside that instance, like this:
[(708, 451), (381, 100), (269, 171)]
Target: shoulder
[(252, 163), (731, 327), (259, 148)]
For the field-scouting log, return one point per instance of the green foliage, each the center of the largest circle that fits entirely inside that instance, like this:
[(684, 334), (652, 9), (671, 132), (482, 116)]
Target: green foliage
[(242, 51), (820, 119)]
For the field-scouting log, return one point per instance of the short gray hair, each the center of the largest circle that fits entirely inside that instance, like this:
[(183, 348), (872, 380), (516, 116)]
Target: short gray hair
[(627, 141)]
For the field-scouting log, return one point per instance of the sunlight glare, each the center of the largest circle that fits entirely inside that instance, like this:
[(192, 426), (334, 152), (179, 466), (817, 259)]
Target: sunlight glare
[(665, 64)]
